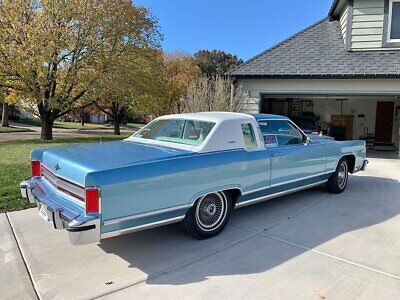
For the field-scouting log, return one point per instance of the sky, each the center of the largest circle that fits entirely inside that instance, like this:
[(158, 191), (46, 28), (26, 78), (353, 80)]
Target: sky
[(241, 27)]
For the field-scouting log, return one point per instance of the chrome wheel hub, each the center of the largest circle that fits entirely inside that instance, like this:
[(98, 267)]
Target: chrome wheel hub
[(211, 211)]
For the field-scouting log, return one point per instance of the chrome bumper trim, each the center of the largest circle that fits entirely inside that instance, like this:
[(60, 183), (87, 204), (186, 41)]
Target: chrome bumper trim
[(81, 229), (81, 233), (362, 167)]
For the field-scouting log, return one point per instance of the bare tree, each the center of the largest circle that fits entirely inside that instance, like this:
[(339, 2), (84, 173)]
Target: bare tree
[(213, 94)]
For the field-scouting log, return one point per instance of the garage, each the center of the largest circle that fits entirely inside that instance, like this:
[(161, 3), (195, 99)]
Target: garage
[(331, 79), (373, 118)]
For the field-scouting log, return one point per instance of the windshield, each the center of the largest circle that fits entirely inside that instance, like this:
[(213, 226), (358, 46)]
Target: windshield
[(188, 132)]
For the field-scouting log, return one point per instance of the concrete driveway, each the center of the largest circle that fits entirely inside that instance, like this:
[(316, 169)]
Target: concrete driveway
[(310, 245)]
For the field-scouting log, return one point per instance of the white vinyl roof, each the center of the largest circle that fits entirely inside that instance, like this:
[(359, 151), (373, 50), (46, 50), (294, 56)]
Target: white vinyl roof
[(226, 134), (216, 117)]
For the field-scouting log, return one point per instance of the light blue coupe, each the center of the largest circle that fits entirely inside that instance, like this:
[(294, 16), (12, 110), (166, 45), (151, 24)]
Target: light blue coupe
[(189, 168)]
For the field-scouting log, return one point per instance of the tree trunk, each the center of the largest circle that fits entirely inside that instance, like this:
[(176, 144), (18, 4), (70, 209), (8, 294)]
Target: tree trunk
[(47, 117), (117, 130), (47, 130), (83, 117), (4, 119)]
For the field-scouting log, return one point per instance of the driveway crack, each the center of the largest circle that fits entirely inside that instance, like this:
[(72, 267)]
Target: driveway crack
[(207, 255), (331, 256), (182, 266), (296, 213)]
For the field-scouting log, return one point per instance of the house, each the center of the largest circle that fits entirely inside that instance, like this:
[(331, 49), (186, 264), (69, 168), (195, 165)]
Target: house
[(344, 71)]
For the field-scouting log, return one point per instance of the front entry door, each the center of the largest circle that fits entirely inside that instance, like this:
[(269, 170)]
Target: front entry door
[(293, 160), (384, 121)]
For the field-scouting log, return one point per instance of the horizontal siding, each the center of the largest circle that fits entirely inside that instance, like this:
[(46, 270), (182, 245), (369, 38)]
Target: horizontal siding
[(368, 11), (368, 18), (372, 38), (367, 24), (366, 45), (368, 3), (378, 24), (367, 31)]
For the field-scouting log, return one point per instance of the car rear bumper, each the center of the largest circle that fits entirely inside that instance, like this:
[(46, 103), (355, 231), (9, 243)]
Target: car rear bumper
[(82, 229)]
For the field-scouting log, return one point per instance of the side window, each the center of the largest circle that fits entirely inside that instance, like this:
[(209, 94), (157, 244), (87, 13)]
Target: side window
[(280, 133), (249, 137)]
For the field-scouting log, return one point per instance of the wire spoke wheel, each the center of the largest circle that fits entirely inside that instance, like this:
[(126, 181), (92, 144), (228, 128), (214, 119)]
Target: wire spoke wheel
[(342, 174), (209, 215), (211, 211)]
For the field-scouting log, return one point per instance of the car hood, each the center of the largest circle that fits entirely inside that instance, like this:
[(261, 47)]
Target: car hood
[(316, 138), (75, 162)]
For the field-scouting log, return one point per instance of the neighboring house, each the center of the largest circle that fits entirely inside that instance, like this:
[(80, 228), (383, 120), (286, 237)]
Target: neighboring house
[(91, 115), (344, 71)]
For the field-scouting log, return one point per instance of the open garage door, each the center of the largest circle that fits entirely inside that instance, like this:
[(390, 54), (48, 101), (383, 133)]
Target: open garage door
[(373, 118)]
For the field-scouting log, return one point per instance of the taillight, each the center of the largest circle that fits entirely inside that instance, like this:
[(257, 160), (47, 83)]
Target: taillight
[(35, 167), (92, 200)]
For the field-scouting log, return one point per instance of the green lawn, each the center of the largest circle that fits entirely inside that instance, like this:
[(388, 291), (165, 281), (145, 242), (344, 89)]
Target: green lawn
[(66, 125), (12, 129), (15, 166)]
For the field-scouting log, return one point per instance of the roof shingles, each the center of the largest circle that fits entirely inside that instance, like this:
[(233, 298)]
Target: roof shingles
[(319, 51)]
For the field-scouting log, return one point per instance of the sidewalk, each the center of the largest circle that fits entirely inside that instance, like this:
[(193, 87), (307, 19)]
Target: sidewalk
[(14, 279)]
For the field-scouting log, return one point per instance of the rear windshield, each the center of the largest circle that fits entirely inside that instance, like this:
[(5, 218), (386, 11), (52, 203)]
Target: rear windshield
[(179, 131)]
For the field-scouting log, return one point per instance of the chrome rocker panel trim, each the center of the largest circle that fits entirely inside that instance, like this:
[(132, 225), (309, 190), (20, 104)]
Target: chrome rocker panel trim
[(287, 182), (143, 215), (81, 229), (271, 196), (141, 227)]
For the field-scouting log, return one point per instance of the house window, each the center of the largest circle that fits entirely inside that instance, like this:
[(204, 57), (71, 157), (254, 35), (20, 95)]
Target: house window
[(393, 33)]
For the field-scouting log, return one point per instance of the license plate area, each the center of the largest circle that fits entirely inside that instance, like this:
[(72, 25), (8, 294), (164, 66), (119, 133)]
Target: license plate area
[(43, 213)]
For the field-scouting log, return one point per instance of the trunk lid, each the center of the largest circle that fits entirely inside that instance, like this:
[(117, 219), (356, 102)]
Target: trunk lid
[(75, 162)]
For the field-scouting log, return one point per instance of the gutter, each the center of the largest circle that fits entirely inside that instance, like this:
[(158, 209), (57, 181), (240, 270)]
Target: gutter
[(316, 76)]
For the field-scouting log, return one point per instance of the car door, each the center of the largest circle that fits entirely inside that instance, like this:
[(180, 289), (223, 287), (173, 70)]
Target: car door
[(295, 161)]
